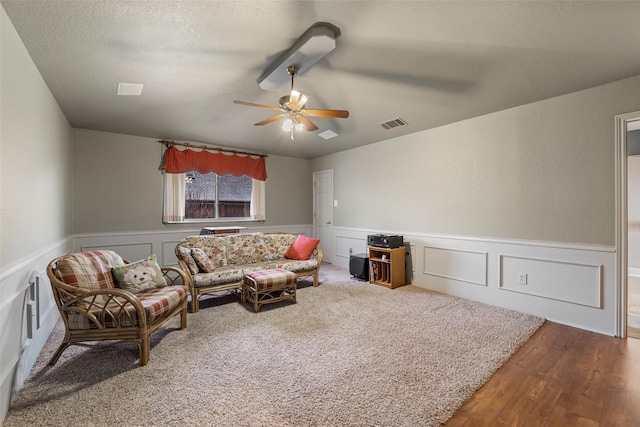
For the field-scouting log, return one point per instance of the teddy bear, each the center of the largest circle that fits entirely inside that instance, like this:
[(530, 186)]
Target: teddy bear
[(140, 278)]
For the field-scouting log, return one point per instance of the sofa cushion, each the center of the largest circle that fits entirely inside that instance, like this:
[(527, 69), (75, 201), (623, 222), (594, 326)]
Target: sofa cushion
[(219, 276), (139, 276), (203, 261), (287, 264), (242, 248), (185, 255), (89, 270), (302, 248), (156, 302), (216, 250), (272, 247)]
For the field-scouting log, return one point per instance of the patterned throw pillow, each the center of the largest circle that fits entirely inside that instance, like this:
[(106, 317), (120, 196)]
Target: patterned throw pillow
[(202, 260), (215, 248), (185, 255), (139, 276)]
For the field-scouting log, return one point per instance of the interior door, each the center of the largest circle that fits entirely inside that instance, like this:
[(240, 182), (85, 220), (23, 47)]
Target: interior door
[(633, 229), (323, 212)]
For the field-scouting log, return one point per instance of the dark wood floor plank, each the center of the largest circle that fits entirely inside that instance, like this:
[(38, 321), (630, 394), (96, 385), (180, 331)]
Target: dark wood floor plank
[(532, 404), (562, 376), (490, 399), (560, 417)]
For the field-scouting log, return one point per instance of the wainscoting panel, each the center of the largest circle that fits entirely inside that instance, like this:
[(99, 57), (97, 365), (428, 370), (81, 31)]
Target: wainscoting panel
[(456, 264), (571, 284), (563, 281), (128, 251), (168, 252), (346, 245), (28, 314)]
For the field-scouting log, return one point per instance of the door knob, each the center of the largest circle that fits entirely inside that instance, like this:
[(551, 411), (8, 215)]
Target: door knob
[(329, 222)]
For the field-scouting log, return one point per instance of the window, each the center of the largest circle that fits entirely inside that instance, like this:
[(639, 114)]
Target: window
[(213, 196), (198, 197), (201, 186)]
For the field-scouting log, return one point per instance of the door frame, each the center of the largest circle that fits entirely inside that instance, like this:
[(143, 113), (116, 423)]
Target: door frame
[(621, 227), (327, 253)]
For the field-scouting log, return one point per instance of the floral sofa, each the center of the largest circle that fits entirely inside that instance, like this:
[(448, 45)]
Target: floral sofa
[(215, 263)]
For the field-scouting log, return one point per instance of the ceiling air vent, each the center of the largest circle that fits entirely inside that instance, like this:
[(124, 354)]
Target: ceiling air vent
[(394, 123)]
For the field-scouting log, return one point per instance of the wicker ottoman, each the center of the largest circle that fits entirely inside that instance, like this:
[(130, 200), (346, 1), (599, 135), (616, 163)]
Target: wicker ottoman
[(267, 286)]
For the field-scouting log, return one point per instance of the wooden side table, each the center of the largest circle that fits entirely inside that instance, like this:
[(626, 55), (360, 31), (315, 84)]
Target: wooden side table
[(386, 266)]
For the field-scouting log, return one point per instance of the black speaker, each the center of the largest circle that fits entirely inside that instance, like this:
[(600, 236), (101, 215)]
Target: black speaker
[(359, 266)]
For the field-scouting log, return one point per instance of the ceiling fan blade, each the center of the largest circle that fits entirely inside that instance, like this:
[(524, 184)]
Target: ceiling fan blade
[(270, 119), (251, 104), (342, 114), (308, 124)]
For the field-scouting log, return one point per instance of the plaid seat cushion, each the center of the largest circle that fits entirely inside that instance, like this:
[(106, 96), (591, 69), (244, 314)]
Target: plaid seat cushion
[(156, 302), (274, 279)]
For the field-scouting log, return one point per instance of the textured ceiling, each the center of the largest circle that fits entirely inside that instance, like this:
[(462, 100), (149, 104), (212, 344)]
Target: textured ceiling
[(430, 63)]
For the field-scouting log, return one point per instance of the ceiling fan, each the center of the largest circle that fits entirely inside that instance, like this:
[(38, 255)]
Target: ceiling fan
[(292, 109)]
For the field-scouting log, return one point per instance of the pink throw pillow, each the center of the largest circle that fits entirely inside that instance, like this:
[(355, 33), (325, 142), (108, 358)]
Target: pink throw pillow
[(302, 248)]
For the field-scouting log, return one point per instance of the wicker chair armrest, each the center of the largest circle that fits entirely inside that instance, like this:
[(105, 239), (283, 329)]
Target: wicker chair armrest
[(319, 256), (106, 307), (174, 276), (186, 274)]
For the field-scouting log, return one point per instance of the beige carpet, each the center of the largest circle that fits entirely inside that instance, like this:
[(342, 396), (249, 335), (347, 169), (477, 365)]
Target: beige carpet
[(347, 354)]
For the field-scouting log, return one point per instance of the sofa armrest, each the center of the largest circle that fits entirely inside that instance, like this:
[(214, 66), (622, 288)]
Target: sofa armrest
[(319, 256), (186, 274)]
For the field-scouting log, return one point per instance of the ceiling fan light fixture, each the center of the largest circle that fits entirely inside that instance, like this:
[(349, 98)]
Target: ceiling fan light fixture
[(297, 99), (292, 109), (287, 125)]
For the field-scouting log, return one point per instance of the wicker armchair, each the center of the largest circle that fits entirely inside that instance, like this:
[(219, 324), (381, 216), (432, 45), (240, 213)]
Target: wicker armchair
[(94, 309)]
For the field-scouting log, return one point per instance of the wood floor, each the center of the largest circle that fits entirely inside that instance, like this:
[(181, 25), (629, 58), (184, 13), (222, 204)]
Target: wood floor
[(562, 376)]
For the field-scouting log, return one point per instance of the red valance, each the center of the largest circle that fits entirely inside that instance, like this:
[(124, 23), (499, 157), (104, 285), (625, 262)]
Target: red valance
[(182, 161)]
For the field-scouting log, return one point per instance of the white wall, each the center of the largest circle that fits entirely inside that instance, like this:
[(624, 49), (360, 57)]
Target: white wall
[(530, 189), (35, 201), (542, 171)]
